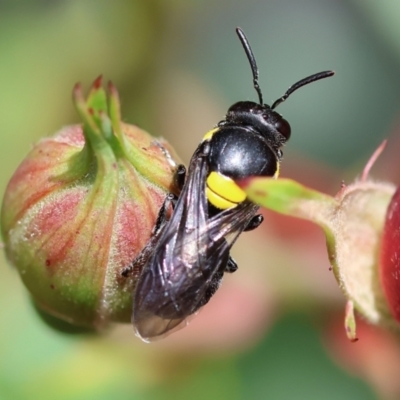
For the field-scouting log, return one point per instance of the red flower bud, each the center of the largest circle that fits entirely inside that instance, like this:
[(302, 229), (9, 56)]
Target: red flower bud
[(389, 268)]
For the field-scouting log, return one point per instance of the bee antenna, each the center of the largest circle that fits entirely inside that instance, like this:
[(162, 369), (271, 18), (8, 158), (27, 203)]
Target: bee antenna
[(299, 84), (252, 61)]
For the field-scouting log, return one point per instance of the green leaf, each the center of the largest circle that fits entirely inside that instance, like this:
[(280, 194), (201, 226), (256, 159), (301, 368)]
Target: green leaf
[(290, 198)]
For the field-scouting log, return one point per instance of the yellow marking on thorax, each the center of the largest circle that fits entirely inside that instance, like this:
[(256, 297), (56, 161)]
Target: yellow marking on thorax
[(209, 134)]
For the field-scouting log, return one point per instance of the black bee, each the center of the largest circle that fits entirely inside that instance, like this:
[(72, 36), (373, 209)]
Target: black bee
[(183, 264)]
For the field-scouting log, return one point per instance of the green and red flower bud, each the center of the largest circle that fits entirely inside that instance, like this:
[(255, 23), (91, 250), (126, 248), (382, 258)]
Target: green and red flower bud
[(80, 208)]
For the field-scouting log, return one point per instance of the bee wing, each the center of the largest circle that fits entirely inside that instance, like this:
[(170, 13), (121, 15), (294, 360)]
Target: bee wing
[(170, 263), (191, 250)]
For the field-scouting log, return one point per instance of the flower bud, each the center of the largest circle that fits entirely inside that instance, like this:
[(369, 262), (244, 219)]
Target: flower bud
[(80, 208), (390, 256), (362, 247)]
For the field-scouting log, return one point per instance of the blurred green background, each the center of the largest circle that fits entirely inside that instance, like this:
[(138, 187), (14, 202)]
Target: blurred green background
[(178, 66)]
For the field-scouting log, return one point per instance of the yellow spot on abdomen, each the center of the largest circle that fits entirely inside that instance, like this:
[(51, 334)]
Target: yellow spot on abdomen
[(222, 192)]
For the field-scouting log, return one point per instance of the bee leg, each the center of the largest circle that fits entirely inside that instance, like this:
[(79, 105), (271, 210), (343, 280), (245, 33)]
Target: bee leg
[(215, 282), (212, 287), (147, 250), (136, 266), (162, 214), (254, 223), (180, 176), (231, 265)]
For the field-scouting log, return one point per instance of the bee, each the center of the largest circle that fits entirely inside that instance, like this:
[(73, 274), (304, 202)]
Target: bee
[(183, 264)]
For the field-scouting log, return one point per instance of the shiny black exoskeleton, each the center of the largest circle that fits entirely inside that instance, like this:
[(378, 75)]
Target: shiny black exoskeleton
[(248, 141)]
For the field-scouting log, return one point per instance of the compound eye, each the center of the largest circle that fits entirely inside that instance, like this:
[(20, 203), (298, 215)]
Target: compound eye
[(283, 127)]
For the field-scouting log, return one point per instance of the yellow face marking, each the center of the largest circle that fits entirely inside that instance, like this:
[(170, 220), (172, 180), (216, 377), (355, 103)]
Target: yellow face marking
[(223, 192), (209, 134)]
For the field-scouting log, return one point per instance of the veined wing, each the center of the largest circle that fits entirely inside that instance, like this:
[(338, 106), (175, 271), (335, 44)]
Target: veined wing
[(190, 256)]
